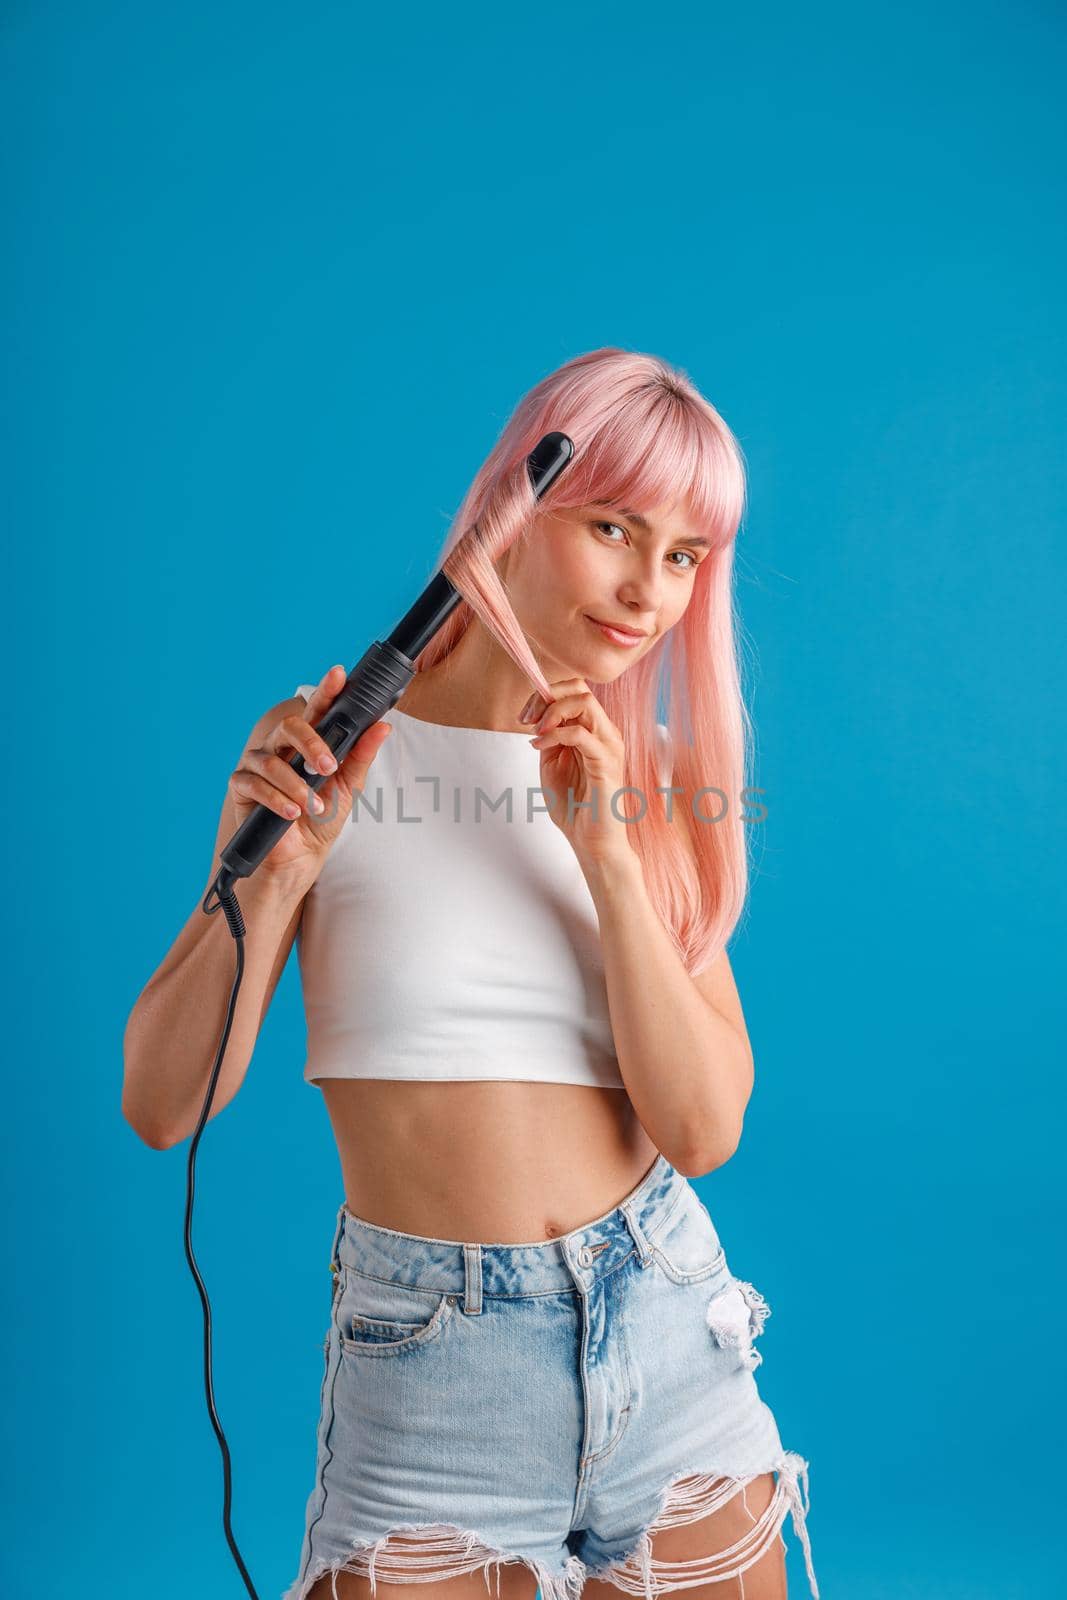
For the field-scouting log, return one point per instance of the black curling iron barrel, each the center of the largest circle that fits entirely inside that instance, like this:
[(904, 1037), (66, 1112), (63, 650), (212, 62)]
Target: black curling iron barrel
[(373, 687)]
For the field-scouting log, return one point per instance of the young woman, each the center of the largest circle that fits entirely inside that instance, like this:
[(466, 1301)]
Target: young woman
[(522, 1018)]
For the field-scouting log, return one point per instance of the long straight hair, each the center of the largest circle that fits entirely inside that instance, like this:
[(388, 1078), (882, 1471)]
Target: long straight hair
[(644, 437)]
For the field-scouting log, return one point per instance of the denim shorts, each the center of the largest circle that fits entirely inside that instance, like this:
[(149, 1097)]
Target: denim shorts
[(542, 1403)]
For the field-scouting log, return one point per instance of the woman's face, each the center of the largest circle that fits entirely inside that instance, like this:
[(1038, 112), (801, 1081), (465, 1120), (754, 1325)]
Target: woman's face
[(592, 562)]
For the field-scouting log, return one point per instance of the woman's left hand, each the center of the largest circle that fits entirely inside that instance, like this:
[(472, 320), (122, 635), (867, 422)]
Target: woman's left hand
[(582, 751)]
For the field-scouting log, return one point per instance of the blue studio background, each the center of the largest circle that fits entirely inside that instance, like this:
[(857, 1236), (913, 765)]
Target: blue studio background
[(274, 279)]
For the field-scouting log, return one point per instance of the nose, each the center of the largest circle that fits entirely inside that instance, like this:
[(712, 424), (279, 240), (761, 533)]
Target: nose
[(641, 595)]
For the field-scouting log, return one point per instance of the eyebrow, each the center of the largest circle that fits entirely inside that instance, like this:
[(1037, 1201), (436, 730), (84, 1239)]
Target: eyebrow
[(643, 522)]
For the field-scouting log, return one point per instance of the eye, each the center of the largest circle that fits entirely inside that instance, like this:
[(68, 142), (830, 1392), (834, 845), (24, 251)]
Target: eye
[(693, 562)]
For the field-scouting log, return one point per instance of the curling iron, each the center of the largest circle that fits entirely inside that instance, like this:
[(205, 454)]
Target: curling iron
[(373, 687)]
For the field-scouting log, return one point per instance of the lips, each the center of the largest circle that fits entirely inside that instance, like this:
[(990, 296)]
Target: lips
[(619, 627)]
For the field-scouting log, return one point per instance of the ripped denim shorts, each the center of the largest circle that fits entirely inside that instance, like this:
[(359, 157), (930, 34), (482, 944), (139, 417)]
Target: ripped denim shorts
[(554, 1403)]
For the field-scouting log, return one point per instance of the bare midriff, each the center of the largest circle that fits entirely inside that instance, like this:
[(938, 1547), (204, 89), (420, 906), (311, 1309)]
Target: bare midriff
[(486, 1162)]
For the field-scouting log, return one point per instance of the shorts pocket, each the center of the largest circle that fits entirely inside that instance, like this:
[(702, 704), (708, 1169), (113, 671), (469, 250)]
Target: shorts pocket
[(686, 1245), (379, 1318)]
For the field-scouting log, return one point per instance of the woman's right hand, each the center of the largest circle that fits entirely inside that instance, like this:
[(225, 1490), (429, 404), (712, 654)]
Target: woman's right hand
[(263, 776)]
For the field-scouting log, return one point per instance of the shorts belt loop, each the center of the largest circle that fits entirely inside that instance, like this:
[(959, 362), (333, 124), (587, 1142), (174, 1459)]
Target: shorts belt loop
[(472, 1292), (334, 1263), (644, 1249)]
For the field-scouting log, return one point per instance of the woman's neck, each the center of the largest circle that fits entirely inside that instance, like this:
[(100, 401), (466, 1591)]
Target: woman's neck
[(476, 686)]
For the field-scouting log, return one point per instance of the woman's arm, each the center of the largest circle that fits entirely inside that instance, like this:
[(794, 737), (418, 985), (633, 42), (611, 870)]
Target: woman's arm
[(175, 1028), (682, 1044)]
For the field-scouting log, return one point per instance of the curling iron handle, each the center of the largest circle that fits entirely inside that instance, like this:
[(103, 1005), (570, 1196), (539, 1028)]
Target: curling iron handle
[(372, 688)]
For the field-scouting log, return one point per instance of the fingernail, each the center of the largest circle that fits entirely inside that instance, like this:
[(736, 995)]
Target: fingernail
[(315, 803)]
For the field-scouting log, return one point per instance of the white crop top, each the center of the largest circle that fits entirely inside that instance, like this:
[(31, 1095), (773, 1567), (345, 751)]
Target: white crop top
[(442, 940)]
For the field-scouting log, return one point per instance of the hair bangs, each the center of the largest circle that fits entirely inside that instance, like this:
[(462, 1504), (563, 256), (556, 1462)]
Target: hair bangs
[(657, 450)]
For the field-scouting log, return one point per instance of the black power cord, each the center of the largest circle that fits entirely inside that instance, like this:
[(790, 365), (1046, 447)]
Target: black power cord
[(226, 901)]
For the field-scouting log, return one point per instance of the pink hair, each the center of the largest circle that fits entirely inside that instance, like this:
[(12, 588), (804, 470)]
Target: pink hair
[(644, 437)]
